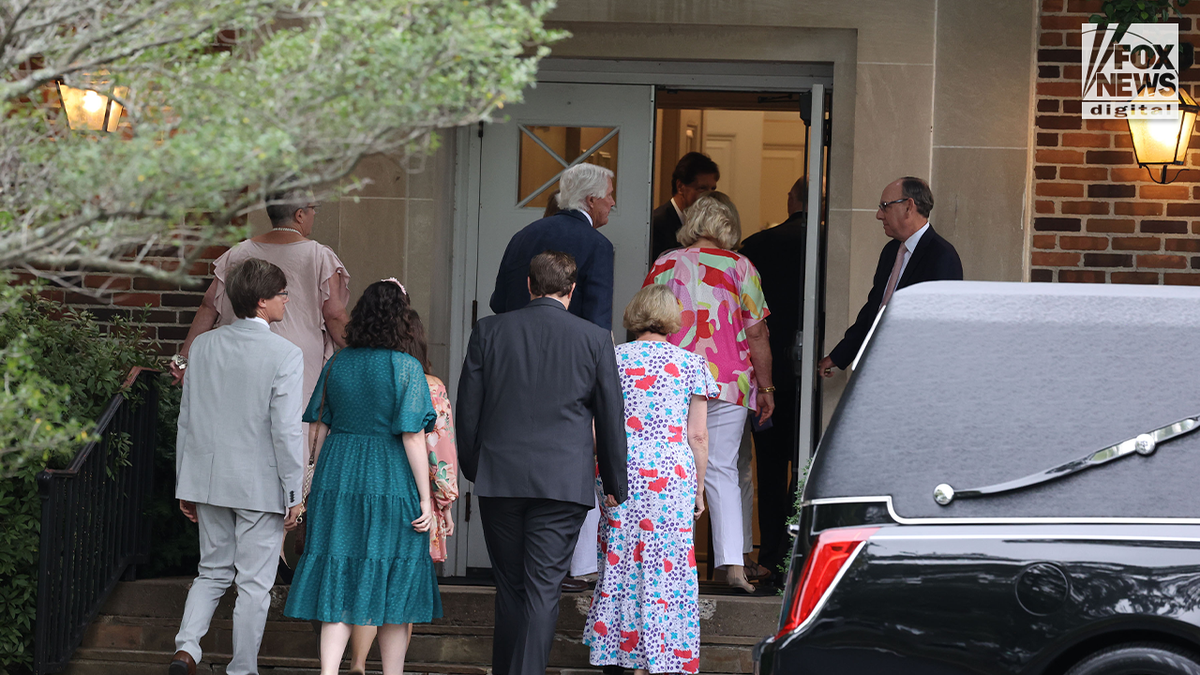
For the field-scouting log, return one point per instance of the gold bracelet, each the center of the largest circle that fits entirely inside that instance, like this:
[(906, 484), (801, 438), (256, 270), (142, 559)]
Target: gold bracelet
[(766, 390)]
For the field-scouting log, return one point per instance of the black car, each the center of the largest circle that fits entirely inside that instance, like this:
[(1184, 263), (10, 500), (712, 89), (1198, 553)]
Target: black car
[(1009, 485)]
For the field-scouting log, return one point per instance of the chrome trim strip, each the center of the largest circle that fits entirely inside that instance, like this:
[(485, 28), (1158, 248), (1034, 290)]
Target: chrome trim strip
[(829, 591), (1025, 537), (1142, 444), (887, 499)]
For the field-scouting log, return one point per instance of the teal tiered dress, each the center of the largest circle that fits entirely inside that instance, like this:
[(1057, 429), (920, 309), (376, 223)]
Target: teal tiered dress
[(363, 563)]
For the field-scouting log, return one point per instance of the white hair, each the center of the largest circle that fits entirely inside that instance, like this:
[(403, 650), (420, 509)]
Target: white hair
[(580, 182)]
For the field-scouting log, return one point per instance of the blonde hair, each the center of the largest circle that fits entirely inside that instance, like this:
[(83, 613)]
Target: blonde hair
[(714, 217), (653, 309)]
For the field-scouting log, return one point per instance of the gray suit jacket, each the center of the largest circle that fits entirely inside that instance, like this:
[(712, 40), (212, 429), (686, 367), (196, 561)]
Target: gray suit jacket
[(240, 443)]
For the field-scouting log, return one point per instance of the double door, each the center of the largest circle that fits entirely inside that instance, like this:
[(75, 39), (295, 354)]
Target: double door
[(512, 167)]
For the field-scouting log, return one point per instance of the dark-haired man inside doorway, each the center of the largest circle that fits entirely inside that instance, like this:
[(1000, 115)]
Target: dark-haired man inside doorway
[(695, 176), (778, 253)]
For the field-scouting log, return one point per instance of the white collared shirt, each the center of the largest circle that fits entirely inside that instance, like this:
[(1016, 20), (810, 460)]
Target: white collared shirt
[(260, 320), (677, 209), (588, 216), (910, 245)]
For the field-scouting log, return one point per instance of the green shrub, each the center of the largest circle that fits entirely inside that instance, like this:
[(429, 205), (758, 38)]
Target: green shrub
[(60, 370)]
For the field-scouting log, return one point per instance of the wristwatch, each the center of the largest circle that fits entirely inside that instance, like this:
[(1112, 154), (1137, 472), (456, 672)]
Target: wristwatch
[(180, 361), (767, 390)]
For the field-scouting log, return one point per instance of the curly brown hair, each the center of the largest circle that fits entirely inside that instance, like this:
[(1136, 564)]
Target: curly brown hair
[(384, 319)]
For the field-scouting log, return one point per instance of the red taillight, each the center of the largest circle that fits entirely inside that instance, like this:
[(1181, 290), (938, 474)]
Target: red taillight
[(825, 561)]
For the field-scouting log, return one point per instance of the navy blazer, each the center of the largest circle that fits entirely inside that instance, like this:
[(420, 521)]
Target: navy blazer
[(934, 260), (664, 225), (569, 232), (533, 382)]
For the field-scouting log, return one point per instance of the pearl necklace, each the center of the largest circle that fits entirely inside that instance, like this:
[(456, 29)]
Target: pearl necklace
[(289, 229)]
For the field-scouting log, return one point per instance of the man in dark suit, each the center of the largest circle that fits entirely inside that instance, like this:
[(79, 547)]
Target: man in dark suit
[(778, 254), (695, 176), (916, 253), (534, 382), (586, 196)]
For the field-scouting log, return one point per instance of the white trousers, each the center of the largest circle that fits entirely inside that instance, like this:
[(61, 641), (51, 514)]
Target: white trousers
[(746, 485), (586, 559), (725, 495), (236, 547)]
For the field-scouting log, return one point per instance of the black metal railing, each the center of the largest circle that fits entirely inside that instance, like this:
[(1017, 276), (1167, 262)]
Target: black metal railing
[(93, 524)]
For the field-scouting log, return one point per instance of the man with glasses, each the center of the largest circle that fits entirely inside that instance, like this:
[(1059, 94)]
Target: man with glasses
[(916, 253)]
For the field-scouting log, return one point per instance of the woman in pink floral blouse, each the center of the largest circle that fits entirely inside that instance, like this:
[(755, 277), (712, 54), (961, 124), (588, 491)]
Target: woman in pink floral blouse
[(443, 479), (723, 312)]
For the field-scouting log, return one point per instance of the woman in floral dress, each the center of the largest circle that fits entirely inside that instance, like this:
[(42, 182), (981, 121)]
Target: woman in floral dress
[(643, 612)]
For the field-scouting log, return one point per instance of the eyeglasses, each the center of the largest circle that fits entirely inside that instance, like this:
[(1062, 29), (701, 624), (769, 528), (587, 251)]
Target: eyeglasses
[(883, 205), (314, 207), (283, 293)]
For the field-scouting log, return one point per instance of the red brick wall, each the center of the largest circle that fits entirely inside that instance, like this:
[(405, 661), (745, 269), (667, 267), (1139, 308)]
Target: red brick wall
[(167, 309), (1097, 216)]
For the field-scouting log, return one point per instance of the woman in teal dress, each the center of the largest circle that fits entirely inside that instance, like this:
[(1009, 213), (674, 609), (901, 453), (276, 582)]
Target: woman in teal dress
[(359, 566)]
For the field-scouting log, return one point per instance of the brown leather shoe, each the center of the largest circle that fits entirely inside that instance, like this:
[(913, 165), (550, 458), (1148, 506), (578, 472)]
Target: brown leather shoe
[(570, 585), (182, 664)]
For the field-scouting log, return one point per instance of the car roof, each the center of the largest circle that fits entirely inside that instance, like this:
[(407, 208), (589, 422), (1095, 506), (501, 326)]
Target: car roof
[(978, 383)]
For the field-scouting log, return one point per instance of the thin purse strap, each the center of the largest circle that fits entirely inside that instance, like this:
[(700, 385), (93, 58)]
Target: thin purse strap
[(312, 455)]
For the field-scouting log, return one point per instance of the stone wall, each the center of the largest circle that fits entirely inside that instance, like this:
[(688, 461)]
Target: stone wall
[(399, 226)]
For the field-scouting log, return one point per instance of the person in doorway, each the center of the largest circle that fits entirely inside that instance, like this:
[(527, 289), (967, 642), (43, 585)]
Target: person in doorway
[(239, 462), (695, 175), (443, 475), (539, 390), (916, 253), (552, 208), (778, 254), (723, 313), (585, 197), (366, 558), (644, 611)]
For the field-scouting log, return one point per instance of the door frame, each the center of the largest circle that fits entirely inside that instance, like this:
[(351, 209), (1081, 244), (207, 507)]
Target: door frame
[(707, 76)]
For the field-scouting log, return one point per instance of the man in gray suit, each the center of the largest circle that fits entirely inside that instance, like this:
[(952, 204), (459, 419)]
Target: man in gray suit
[(238, 462), (533, 382)]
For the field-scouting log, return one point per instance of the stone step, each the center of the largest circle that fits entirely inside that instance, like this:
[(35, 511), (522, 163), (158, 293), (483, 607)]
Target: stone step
[(128, 662), (462, 606), (135, 632)]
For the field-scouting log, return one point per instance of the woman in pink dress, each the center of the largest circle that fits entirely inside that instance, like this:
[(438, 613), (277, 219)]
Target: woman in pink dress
[(443, 478), (318, 286)]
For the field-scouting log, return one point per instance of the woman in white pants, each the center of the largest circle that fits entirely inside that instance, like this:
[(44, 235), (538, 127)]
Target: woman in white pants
[(723, 312)]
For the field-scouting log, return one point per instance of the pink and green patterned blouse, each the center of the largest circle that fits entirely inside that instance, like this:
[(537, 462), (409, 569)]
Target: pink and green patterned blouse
[(721, 294)]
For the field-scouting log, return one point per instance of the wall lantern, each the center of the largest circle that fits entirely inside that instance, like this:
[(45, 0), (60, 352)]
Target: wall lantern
[(91, 110), (1162, 142)]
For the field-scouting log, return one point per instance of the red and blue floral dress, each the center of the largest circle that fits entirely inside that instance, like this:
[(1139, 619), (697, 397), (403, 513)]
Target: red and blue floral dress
[(644, 610)]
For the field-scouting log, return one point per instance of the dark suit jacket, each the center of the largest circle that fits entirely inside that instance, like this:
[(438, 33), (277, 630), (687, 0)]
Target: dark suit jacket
[(664, 223), (532, 383), (569, 232), (934, 260), (778, 254)]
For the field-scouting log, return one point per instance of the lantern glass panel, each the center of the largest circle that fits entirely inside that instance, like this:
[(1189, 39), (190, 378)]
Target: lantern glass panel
[(1159, 140), (86, 108)]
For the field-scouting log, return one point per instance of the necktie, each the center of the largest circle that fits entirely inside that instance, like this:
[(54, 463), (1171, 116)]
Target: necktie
[(895, 277)]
